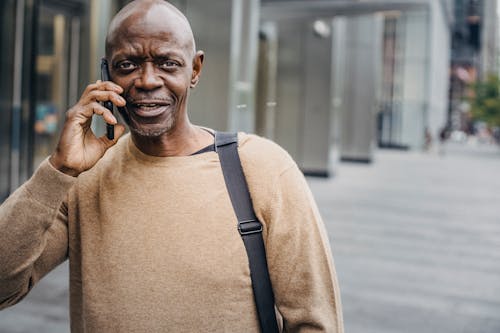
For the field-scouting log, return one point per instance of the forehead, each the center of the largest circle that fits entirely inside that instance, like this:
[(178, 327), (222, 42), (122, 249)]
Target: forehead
[(156, 28)]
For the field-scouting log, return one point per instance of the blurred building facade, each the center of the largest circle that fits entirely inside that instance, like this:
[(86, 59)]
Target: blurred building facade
[(388, 76), (44, 65), (328, 80), (474, 53)]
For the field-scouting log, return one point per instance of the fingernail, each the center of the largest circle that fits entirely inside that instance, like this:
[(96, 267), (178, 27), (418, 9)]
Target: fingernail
[(113, 120)]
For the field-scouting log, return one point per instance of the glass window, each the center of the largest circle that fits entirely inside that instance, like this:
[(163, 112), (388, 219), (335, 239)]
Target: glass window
[(51, 76), (7, 29)]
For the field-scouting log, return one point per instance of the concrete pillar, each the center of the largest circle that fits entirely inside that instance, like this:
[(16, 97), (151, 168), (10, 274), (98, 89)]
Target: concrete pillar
[(438, 78), (304, 93), (421, 77), (413, 77), (316, 113), (339, 34), (289, 93), (227, 31), (362, 72), (265, 118)]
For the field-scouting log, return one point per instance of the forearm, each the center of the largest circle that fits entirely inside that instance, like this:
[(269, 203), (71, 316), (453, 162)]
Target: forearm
[(300, 259), (306, 286), (33, 237)]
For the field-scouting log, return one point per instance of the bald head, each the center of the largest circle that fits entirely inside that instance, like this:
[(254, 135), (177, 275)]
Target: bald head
[(140, 17)]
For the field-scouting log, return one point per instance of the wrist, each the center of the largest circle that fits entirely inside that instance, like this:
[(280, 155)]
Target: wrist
[(58, 165)]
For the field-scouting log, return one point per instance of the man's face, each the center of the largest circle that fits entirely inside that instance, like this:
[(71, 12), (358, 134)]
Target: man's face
[(152, 59)]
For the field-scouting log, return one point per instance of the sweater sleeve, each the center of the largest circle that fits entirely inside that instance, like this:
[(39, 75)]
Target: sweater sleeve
[(300, 260), (34, 236)]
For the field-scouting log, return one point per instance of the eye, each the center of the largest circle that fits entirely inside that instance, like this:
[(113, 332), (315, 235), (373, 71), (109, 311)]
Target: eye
[(126, 66), (168, 64)]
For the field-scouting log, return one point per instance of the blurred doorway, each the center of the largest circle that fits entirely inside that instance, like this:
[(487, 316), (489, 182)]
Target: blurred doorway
[(7, 41), (39, 67), (55, 73)]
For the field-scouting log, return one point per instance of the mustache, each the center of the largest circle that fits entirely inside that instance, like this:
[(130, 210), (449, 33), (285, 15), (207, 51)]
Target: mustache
[(148, 97)]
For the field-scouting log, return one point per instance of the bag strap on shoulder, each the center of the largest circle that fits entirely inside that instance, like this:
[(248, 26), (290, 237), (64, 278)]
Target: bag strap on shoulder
[(249, 227)]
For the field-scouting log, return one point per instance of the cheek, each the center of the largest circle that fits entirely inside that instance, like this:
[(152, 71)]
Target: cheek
[(124, 83), (178, 85)]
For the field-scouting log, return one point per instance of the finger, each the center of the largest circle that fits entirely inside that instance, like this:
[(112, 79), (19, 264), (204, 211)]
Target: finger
[(109, 85), (85, 114), (104, 96), (106, 114), (107, 143), (99, 86), (90, 87)]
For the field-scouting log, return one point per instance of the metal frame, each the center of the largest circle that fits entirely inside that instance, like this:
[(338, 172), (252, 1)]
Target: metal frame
[(293, 9)]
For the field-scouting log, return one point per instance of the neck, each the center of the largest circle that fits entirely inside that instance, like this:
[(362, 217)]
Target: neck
[(183, 140)]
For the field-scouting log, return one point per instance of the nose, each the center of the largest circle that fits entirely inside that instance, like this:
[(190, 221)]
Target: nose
[(148, 79)]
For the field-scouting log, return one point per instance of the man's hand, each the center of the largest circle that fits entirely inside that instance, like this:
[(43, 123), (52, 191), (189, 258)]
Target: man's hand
[(79, 149)]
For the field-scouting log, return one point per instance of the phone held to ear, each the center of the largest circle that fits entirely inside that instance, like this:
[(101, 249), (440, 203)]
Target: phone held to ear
[(110, 129)]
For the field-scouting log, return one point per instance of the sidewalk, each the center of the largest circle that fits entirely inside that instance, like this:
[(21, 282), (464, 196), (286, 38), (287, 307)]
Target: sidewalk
[(416, 240)]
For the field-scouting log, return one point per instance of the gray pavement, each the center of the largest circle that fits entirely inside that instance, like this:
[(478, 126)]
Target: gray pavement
[(416, 241)]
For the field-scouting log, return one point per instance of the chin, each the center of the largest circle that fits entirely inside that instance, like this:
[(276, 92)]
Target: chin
[(149, 132), (150, 128)]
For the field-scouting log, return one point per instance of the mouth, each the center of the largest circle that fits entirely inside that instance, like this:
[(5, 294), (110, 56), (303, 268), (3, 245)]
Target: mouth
[(148, 109)]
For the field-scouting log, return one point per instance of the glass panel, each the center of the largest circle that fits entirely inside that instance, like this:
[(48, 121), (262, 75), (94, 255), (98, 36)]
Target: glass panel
[(7, 29), (51, 81)]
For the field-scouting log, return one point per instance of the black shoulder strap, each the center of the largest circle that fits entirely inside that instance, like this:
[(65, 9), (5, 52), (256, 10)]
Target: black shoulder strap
[(250, 228)]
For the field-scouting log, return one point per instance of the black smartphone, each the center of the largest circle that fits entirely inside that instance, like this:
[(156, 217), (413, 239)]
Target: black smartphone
[(110, 129)]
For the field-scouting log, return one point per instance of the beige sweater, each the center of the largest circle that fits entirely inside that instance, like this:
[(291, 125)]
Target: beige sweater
[(153, 244)]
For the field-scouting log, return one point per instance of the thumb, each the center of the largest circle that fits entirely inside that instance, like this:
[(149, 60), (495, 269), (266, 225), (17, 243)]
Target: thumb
[(107, 143)]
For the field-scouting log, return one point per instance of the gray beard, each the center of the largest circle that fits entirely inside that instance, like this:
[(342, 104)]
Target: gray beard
[(153, 133)]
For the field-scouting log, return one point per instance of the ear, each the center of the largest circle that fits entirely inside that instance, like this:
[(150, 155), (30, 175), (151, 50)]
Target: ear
[(197, 66)]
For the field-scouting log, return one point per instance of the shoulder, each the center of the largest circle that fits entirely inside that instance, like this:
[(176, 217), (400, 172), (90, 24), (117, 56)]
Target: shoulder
[(264, 164), (263, 155), (274, 180)]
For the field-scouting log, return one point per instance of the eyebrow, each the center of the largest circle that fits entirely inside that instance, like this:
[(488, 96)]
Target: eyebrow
[(162, 54)]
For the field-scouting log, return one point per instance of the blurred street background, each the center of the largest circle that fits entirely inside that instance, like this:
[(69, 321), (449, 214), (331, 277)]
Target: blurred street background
[(390, 107)]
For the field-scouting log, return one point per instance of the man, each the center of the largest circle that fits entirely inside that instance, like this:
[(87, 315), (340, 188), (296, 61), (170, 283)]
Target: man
[(147, 225)]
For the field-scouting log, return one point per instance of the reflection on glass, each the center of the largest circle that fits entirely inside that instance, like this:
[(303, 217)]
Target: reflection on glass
[(51, 77), (7, 28)]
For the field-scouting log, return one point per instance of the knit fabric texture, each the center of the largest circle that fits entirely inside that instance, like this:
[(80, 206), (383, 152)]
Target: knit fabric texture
[(153, 244)]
